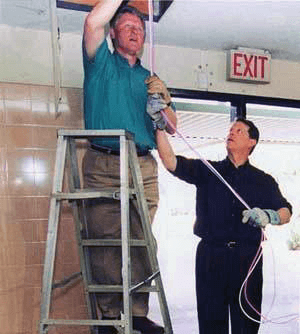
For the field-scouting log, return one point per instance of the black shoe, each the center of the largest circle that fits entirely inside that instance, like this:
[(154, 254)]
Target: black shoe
[(146, 326), (107, 329)]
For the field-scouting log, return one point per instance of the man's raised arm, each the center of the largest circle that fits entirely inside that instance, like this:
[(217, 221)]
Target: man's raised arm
[(94, 26)]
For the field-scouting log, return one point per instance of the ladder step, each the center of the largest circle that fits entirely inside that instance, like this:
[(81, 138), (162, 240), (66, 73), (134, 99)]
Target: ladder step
[(90, 193), (119, 324), (69, 322), (117, 288), (111, 242)]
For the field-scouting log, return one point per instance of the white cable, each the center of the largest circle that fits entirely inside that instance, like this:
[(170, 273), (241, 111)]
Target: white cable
[(251, 269), (265, 319), (151, 36)]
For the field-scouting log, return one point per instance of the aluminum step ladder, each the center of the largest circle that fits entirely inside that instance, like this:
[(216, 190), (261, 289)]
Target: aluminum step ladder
[(66, 159)]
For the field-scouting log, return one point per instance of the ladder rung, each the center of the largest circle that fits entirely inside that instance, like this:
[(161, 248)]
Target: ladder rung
[(94, 133), (146, 281), (69, 322), (111, 242), (118, 288), (90, 193)]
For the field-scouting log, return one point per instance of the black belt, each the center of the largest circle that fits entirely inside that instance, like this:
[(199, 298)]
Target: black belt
[(230, 243), (220, 243), (108, 150)]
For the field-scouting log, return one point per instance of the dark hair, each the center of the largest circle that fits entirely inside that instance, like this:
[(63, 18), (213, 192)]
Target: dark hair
[(253, 130), (127, 9)]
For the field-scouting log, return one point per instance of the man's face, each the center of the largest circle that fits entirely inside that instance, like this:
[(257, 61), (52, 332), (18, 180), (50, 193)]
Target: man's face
[(129, 34), (238, 139)]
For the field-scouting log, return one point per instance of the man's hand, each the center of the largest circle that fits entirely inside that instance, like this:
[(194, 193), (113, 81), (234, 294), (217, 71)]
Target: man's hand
[(155, 104), (155, 85), (260, 218)]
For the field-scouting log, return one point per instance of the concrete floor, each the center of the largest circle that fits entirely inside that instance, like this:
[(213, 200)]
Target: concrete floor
[(281, 292)]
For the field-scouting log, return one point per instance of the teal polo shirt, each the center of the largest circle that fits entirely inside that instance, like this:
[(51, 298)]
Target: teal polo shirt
[(115, 97)]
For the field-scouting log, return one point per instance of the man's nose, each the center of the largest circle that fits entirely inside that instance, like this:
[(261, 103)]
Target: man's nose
[(137, 30), (134, 29), (230, 133)]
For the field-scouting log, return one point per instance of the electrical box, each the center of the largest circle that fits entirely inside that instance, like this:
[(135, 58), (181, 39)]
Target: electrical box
[(159, 6)]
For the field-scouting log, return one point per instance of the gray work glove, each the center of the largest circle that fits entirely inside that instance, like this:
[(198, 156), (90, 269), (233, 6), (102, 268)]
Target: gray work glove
[(260, 218), (155, 85), (155, 104)]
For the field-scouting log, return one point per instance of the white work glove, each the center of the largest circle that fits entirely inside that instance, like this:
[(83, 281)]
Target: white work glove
[(156, 86), (155, 104), (260, 218)]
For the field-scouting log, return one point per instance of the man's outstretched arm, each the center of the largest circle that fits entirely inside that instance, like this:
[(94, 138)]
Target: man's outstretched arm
[(165, 150), (94, 26)]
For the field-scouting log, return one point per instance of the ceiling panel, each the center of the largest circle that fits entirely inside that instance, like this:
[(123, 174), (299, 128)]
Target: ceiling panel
[(206, 25), (203, 128)]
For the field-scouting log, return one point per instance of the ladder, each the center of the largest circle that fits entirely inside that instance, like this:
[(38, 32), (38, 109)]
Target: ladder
[(66, 152)]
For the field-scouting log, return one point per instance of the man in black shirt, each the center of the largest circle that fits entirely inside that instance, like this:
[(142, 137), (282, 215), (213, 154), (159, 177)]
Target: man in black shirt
[(230, 234)]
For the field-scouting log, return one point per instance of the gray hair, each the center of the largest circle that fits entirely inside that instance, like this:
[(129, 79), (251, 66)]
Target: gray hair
[(127, 9)]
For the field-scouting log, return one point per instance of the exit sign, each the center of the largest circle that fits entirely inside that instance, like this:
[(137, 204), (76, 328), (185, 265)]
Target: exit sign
[(246, 65)]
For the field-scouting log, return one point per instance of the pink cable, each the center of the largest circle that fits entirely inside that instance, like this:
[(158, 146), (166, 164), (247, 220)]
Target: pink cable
[(151, 37)]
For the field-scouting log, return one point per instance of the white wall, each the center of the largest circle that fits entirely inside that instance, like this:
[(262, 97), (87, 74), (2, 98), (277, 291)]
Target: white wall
[(27, 58)]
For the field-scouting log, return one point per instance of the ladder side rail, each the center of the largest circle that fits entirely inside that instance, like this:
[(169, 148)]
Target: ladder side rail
[(141, 201), (75, 186), (74, 178), (149, 238), (142, 205), (125, 234), (79, 219), (54, 212)]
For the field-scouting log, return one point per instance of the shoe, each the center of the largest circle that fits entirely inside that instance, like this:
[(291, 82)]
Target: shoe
[(146, 326), (107, 329)]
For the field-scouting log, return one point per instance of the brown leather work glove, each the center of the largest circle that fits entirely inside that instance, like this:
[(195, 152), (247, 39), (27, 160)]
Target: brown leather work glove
[(155, 85)]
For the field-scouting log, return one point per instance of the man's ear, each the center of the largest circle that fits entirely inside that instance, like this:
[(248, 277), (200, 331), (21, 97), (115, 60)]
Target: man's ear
[(253, 142), (112, 33)]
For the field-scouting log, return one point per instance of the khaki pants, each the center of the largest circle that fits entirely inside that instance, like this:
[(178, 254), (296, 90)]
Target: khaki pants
[(102, 171)]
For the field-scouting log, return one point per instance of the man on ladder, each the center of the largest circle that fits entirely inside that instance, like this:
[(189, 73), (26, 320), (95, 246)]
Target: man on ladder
[(116, 89)]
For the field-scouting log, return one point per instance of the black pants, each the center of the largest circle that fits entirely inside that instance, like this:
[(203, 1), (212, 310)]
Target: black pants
[(220, 272)]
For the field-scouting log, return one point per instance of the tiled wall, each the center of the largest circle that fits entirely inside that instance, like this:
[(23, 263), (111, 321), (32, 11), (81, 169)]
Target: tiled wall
[(28, 127)]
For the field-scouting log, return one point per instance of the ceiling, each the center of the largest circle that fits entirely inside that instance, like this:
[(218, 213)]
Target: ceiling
[(212, 25)]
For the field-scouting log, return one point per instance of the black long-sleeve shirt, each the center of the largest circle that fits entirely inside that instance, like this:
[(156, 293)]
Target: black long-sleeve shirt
[(218, 211)]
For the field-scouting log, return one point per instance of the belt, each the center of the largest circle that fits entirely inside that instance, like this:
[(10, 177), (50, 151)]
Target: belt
[(232, 244), (225, 243), (109, 150)]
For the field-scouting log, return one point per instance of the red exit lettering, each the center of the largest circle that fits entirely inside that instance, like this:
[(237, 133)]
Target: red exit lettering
[(247, 66)]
